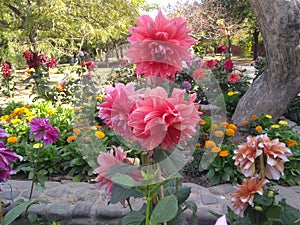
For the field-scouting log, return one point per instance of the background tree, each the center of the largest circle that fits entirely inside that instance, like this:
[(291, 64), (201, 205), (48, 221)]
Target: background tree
[(279, 22)]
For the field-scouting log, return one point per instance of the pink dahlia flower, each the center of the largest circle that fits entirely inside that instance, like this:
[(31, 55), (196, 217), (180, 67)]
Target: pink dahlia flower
[(44, 130), (116, 107), (159, 120), (244, 195), (276, 153), (210, 63), (245, 156), (228, 65), (199, 73), (6, 69), (115, 156), (233, 78), (159, 46)]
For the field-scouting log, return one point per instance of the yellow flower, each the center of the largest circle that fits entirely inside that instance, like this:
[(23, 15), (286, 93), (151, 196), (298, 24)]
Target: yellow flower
[(51, 112), (202, 122), (30, 118), (254, 117), (258, 129), (12, 139), (246, 123), (30, 70), (224, 124), (268, 116), (275, 126), (216, 149), (210, 144), (229, 132), (230, 93), (219, 133), (5, 118), (198, 145), (37, 145), (282, 122), (223, 153), (76, 131), (214, 126), (291, 143), (70, 138), (232, 126), (16, 120), (99, 134), (236, 92)]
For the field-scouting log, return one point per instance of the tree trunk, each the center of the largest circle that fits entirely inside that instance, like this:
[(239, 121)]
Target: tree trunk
[(279, 22), (255, 43)]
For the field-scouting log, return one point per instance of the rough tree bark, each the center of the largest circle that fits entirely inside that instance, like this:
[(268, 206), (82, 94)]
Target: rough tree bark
[(279, 22)]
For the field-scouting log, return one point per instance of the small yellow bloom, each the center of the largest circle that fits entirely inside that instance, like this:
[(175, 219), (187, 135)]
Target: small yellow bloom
[(37, 145), (219, 133), (275, 126), (258, 129), (210, 144), (229, 132), (232, 126), (70, 138), (5, 118), (268, 116), (29, 118), (12, 139), (202, 122), (216, 149), (16, 120), (282, 122), (291, 143), (214, 126), (224, 124), (99, 134), (100, 96), (51, 112), (198, 145), (254, 117), (236, 92), (230, 93), (223, 153), (246, 123), (76, 131)]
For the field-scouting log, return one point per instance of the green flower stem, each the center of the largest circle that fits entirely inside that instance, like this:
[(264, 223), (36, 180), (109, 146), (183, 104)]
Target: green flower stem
[(148, 209)]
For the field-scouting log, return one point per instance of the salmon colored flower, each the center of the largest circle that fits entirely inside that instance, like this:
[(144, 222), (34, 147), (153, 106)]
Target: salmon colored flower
[(158, 119), (210, 144), (229, 132), (199, 73), (219, 133), (70, 138), (276, 153), (258, 129), (244, 194), (99, 134), (76, 131), (60, 87), (223, 153), (216, 149), (214, 126), (234, 78), (245, 156), (106, 160), (224, 124), (12, 139), (291, 143), (159, 46)]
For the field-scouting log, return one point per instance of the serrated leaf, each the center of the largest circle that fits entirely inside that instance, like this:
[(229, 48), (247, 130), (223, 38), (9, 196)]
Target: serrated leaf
[(169, 203)]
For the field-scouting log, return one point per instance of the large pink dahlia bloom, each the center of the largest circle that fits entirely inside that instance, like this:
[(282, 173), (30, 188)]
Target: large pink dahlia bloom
[(158, 119), (159, 46)]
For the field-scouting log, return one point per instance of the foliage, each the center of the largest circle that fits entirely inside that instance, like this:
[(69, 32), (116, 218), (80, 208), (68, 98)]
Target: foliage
[(293, 110), (259, 66)]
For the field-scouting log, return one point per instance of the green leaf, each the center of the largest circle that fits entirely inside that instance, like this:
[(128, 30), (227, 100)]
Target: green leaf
[(165, 210), (133, 218), (13, 214), (119, 193), (125, 181), (183, 193)]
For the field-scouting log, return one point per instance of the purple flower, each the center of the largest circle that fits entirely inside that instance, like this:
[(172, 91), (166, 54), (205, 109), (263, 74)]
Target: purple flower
[(44, 130), (3, 134), (7, 156), (186, 85)]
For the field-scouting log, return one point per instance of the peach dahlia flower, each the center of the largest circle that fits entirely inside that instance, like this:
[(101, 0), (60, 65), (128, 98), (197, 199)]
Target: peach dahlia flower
[(244, 195)]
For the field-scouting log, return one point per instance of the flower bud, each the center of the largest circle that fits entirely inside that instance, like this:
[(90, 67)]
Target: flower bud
[(271, 194), (258, 208)]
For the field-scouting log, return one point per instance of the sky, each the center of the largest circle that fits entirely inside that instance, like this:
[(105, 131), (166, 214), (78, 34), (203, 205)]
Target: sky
[(162, 3)]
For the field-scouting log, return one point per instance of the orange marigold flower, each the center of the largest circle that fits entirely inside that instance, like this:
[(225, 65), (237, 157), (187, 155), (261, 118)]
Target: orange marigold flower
[(254, 117), (210, 144), (60, 87), (216, 149), (229, 132), (99, 134), (223, 153), (291, 143), (258, 129), (202, 122), (12, 139), (198, 145), (219, 133), (246, 123), (214, 126), (232, 126), (76, 131), (244, 195), (70, 138), (224, 124)]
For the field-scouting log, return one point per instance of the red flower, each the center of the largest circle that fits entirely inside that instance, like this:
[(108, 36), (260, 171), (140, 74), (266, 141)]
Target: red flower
[(233, 78), (52, 62), (221, 48), (6, 69), (33, 60), (228, 65), (210, 63), (159, 46)]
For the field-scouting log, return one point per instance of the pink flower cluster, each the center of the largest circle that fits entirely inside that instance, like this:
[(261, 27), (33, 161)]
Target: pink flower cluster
[(34, 60), (6, 69), (149, 116), (159, 46), (275, 152), (234, 78)]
